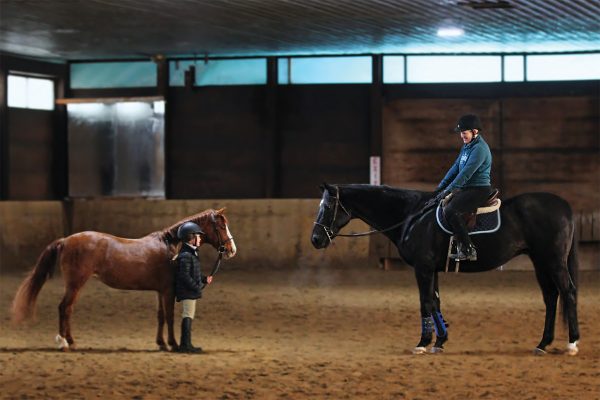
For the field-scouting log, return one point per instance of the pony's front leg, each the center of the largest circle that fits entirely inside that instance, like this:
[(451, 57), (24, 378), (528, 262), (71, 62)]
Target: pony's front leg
[(169, 307), (160, 341), (425, 279)]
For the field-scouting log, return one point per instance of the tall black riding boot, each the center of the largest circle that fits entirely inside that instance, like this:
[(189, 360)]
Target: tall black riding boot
[(465, 250), (185, 345)]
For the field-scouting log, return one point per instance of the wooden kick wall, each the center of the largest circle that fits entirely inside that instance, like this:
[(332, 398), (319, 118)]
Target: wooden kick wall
[(541, 142)]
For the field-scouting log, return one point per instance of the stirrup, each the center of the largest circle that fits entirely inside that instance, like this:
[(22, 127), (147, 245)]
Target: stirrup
[(468, 254)]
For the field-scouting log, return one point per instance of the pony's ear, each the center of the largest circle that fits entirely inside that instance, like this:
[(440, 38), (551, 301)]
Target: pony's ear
[(221, 210), (322, 187)]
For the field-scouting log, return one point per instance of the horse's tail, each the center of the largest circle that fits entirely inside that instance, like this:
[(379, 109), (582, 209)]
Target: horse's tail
[(573, 268), (23, 305)]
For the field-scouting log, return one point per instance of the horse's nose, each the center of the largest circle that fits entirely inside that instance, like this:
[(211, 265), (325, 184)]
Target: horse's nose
[(314, 240), (231, 251)]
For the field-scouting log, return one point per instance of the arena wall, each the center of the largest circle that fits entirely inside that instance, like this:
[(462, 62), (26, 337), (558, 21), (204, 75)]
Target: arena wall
[(268, 233)]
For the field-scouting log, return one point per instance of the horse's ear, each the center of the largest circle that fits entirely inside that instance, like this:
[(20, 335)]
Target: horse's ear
[(221, 210), (328, 187), (325, 187)]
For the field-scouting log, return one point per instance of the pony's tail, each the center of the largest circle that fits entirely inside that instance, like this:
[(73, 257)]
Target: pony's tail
[(573, 268), (23, 305)]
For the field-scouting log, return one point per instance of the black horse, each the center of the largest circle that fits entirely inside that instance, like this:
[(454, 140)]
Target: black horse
[(538, 224)]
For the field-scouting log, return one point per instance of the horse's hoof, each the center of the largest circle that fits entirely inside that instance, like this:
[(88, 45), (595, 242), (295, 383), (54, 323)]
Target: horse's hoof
[(572, 349), (419, 350), (539, 352), (436, 350), (163, 347)]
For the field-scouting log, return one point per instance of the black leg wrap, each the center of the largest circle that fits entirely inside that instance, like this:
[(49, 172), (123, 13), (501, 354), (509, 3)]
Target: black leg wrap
[(427, 327)]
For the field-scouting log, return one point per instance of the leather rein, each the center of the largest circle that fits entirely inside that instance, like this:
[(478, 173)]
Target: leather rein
[(338, 205)]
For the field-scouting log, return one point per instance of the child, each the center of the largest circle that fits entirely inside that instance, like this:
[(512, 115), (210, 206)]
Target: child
[(189, 281)]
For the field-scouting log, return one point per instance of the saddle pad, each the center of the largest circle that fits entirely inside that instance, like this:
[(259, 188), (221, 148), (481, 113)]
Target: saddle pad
[(484, 223)]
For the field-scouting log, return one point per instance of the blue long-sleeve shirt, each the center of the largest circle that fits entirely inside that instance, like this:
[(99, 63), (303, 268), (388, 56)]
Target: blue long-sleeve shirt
[(471, 168)]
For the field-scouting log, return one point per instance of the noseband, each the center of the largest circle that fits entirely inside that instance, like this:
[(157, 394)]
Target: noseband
[(329, 229), (221, 248)]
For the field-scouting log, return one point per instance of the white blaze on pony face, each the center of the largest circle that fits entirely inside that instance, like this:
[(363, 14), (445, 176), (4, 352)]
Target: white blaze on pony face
[(233, 248)]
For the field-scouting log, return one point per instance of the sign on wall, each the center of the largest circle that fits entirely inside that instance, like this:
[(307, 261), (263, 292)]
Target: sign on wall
[(375, 170)]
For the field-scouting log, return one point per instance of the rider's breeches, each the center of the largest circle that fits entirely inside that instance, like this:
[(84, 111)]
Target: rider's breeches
[(189, 308), (465, 201)]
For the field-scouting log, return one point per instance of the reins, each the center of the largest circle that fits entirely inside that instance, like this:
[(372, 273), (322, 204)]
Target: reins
[(329, 230)]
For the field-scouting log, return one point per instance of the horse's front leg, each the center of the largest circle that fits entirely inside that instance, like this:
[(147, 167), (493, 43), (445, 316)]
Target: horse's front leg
[(169, 307), (160, 340), (439, 324), (425, 280)]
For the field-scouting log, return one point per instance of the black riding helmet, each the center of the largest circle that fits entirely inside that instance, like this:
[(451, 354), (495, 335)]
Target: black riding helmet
[(188, 228), (468, 122)]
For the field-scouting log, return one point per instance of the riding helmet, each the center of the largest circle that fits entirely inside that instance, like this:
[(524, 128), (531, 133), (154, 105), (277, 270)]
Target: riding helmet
[(468, 122), (188, 228)]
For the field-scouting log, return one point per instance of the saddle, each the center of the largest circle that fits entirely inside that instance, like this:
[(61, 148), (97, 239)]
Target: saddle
[(492, 203)]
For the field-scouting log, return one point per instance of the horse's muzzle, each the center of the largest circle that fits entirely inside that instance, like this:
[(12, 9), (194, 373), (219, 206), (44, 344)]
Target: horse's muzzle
[(319, 241)]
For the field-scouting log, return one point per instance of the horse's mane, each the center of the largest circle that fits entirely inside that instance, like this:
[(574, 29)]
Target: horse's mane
[(170, 234), (394, 194)]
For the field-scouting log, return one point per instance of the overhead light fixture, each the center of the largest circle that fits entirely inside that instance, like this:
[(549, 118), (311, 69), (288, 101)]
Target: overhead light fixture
[(450, 32)]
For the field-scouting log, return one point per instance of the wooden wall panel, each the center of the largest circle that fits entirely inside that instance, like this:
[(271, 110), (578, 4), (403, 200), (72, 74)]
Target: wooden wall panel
[(538, 144), (419, 145), (551, 122), (215, 140), (553, 144), (325, 137), (30, 154), (410, 124), (551, 167)]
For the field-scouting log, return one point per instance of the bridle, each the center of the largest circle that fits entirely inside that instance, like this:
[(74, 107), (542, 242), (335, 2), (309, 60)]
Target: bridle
[(221, 247), (338, 204), (329, 229)]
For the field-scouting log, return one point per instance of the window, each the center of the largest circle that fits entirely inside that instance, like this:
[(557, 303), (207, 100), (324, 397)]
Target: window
[(243, 71), (563, 67), (306, 70), (102, 75), (33, 93), (116, 148), (514, 68), (430, 69), (393, 69)]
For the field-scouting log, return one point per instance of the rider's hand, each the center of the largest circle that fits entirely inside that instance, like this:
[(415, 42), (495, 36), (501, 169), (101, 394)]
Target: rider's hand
[(209, 279), (437, 198)]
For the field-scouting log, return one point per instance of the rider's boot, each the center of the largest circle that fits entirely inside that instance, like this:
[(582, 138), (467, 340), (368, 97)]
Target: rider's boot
[(185, 345)]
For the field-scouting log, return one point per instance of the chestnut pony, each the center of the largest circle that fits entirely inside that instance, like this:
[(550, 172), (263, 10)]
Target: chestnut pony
[(131, 264)]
